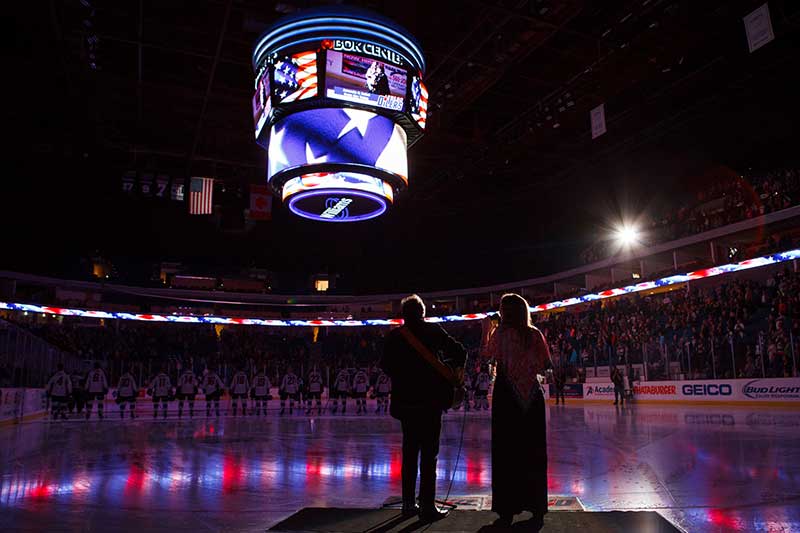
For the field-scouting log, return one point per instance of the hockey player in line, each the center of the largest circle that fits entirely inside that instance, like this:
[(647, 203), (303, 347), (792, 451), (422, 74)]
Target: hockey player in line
[(314, 391), (289, 389), (383, 387), (160, 389), (260, 392), (187, 390), (77, 401), (58, 390), (126, 394), (341, 390), (239, 389), (469, 390), (212, 388), (96, 390), (482, 383), (360, 386)]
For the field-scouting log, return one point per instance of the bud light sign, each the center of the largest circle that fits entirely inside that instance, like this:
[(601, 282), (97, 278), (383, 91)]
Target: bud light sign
[(768, 389)]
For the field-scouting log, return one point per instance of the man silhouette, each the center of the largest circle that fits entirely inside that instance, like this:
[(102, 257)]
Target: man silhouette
[(419, 397)]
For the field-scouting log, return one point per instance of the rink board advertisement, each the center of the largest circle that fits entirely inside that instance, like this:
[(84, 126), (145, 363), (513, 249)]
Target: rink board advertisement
[(17, 403), (730, 390), (571, 390)]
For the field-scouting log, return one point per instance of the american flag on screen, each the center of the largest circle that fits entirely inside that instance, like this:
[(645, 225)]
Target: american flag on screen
[(419, 102), (201, 191), (296, 77)]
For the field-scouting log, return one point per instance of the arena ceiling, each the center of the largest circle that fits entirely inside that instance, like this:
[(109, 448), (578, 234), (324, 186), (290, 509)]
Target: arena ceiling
[(507, 183)]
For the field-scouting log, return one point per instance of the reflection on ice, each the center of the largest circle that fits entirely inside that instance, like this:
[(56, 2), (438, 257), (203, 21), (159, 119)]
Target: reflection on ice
[(709, 467)]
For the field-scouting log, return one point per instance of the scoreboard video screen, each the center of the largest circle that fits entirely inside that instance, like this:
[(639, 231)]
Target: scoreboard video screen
[(339, 99), (364, 80), (261, 100)]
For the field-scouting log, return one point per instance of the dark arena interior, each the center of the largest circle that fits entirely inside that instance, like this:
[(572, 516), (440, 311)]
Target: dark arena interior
[(217, 210)]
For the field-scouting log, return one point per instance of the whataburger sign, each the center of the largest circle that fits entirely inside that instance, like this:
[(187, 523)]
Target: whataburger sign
[(734, 390)]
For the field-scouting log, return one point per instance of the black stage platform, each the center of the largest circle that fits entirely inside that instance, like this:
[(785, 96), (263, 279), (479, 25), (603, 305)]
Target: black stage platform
[(330, 520)]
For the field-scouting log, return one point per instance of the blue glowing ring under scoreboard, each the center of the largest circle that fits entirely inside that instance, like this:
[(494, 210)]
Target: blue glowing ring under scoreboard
[(337, 205)]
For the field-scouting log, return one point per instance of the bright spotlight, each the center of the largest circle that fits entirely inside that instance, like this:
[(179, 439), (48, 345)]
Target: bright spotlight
[(627, 236)]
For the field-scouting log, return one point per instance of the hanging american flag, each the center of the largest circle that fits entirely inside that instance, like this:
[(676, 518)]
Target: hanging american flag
[(201, 191), (296, 77)]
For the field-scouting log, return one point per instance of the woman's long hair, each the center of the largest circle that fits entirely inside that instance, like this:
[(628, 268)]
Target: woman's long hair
[(515, 313)]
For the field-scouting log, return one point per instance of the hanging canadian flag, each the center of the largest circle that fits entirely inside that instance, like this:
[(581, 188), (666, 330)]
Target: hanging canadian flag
[(260, 203)]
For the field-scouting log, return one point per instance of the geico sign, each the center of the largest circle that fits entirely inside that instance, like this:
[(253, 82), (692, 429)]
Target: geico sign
[(702, 389)]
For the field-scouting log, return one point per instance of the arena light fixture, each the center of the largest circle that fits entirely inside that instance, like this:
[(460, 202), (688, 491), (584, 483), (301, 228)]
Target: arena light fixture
[(748, 264), (627, 235)]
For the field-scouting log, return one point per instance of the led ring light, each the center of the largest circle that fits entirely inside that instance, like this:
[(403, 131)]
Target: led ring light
[(757, 262)]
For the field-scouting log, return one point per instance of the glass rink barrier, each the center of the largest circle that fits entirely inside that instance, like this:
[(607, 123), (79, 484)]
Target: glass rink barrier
[(27, 360), (19, 404)]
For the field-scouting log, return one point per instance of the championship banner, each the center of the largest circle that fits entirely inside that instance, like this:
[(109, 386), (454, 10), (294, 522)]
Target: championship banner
[(146, 184), (598, 120), (260, 203), (758, 26), (161, 187), (129, 182), (177, 191)]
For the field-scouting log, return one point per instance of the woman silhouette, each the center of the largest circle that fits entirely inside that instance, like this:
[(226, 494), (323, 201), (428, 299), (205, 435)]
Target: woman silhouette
[(519, 443)]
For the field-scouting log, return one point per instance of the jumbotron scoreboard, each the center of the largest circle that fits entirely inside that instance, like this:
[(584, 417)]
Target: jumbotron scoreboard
[(339, 99)]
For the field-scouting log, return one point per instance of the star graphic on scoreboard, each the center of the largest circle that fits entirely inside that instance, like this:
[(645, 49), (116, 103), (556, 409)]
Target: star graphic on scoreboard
[(277, 158), (359, 120), (312, 159)]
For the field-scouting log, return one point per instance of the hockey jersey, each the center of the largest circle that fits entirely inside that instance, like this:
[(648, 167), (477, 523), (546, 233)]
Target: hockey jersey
[(161, 385), (212, 383), (314, 382), (126, 387), (96, 382), (289, 384), (59, 385), (261, 385), (239, 383), (342, 381), (384, 384), (187, 383), (483, 381), (360, 382)]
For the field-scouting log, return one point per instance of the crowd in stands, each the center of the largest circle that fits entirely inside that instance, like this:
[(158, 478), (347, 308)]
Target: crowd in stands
[(736, 327), (718, 332), (729, 199)]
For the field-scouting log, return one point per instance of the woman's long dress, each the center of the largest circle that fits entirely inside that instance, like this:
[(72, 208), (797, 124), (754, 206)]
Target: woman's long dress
[(519, 439)]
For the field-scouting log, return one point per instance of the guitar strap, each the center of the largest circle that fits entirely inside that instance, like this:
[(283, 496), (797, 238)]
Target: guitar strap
[(428, 356)]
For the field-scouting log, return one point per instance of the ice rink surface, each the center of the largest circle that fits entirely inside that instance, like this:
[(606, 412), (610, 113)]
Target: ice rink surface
[(703, 468)]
